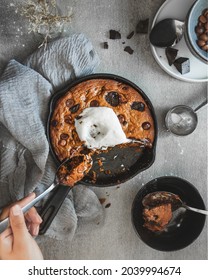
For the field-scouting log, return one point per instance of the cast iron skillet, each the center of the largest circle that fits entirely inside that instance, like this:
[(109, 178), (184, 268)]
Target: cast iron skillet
[(123, 164)]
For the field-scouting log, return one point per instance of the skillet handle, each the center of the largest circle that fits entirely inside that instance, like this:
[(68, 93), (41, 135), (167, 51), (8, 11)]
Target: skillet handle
[(52, 207)]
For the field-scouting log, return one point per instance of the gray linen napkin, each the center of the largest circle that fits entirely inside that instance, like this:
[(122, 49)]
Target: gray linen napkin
[(25, 162)]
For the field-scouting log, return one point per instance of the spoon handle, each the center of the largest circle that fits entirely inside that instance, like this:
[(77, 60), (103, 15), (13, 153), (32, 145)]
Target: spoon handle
[(200, 106), (204, 212), (5, 223)]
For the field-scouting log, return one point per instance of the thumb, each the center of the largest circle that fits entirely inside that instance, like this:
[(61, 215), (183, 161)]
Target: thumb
[(17, 222)]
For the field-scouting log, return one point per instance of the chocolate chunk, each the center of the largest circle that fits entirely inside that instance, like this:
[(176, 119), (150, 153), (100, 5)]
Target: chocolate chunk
[(105, 45), (142, 26), (64, 136), (112, 98), (54, 123), (94, 103), (130, 35), (78, 117), (171, 54), (114, 34), (121, 118), (146, 125), (139, 106), (108, 205), (68, 119), (69, 102), (182, 64), (128, 50), (74, 108)]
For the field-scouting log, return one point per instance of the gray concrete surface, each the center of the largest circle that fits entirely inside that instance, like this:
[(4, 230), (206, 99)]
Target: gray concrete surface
[(184, 157)]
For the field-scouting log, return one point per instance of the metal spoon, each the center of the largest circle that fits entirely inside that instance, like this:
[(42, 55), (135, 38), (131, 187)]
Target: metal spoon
[(167, 33), (182, 120), (68, 173), (162, 197)]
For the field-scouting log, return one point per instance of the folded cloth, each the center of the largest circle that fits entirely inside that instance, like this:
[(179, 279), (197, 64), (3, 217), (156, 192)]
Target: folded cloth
[(25, 162)]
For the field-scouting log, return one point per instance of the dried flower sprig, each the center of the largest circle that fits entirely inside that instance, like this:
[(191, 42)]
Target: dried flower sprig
[(44, 17)]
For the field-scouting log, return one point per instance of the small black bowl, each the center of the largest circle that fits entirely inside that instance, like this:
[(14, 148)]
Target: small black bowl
[(178, 237)]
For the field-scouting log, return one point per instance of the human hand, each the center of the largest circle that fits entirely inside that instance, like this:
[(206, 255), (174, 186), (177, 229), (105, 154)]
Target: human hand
[(16, 242), (32, 219)]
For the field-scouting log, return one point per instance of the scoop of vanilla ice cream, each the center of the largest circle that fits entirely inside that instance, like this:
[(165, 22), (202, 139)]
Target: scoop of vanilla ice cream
[(100, 128)]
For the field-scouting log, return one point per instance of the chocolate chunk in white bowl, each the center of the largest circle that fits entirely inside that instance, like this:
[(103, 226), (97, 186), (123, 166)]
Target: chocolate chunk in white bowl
[(182, 64)]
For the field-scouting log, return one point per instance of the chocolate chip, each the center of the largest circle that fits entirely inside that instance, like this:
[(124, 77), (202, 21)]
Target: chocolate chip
[(94, 103), (68, 119), (112, 98), (54, 123), (130, 35), (62, 142), (64, 136), (74, 108), (146, 125), (69, 102), (142, 26), (139, 106), (78, 117), (128, 50), (125, 87), (114, 34), (121, 118), (105, 45), (108, 205)]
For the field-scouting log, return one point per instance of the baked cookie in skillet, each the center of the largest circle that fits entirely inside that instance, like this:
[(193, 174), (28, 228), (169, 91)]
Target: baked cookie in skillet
[(126, 102)]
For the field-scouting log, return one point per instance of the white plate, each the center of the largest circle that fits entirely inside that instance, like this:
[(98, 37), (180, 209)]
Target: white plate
[(178, 9)]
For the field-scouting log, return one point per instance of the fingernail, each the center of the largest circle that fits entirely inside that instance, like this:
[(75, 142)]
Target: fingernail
[(16, 210), (30, 194)]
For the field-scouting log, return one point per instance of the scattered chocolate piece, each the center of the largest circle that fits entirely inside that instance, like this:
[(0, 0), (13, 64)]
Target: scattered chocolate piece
[(182, 64), (139, 106), (102, 200), (112, 98), (128, 50), (123, 42), (114, 34), (130, 35), (105, 45), (108, 205), (142, 26), (74, 108), (171, 54)]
